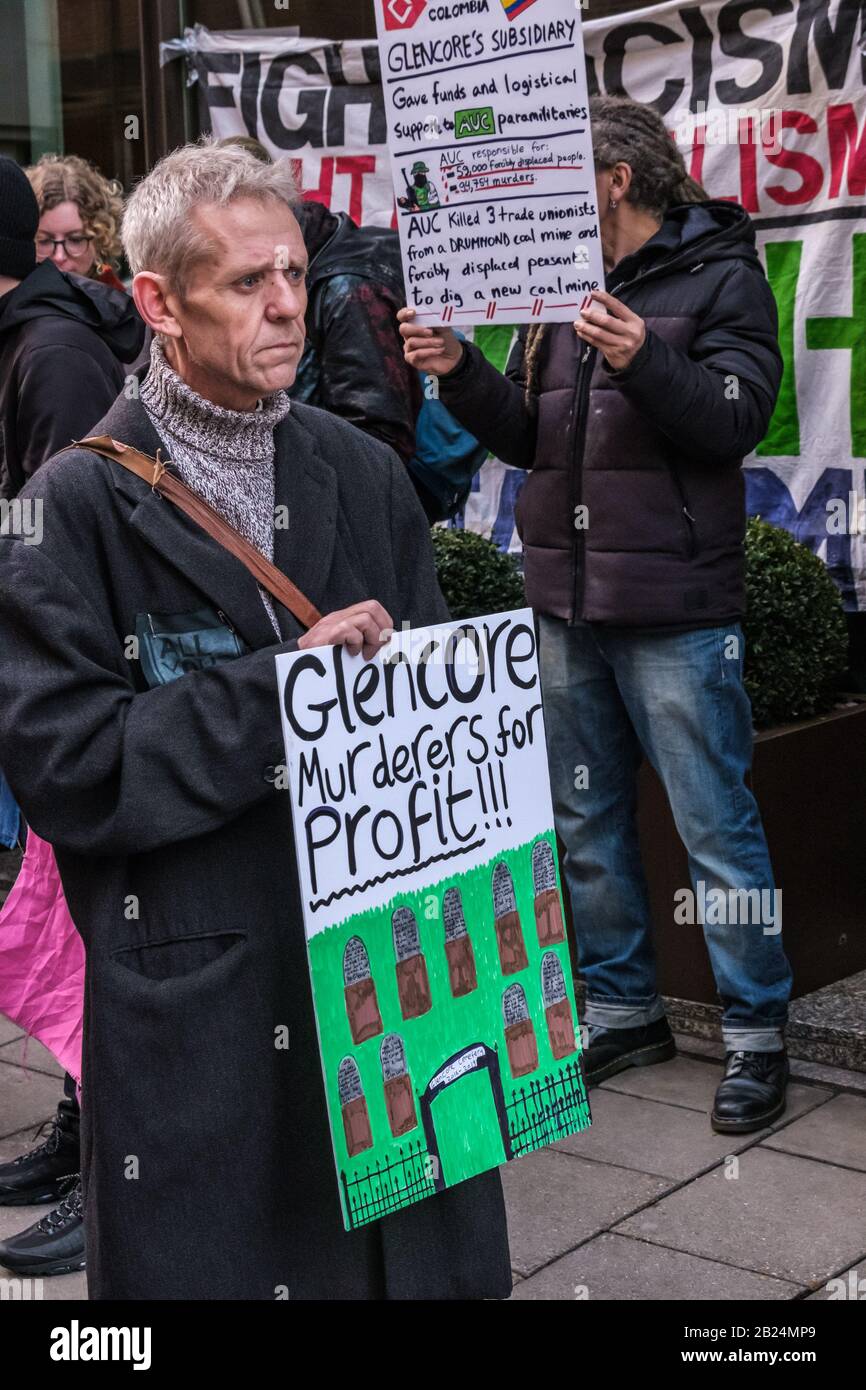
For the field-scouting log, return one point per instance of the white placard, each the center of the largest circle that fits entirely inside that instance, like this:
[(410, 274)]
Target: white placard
[(488, 128), (431, 755)]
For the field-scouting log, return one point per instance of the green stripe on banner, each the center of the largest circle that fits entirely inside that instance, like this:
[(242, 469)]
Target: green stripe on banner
[(494, 341), (783, 273), (836, 331)]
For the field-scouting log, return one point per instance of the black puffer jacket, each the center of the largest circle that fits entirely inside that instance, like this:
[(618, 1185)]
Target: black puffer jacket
[(353, 364), (654, 451), (63, 342)]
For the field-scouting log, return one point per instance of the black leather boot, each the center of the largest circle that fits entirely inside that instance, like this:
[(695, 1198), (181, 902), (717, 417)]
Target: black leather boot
[(610, 1050), (752, 1093), (44, 1174), (53, 1245)]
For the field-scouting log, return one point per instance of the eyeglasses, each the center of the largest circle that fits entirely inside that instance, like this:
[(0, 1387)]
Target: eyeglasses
[(73, 245)]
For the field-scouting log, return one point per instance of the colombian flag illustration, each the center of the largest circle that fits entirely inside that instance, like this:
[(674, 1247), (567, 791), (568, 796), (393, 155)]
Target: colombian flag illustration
[(513, 8)]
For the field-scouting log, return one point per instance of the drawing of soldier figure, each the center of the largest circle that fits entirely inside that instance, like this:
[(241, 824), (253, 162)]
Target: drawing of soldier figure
[(421, 194)]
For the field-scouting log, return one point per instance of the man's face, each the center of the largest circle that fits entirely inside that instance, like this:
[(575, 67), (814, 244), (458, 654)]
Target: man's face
[(242, 310)]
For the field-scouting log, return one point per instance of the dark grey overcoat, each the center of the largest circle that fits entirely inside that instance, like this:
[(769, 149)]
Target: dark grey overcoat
[(207, 1157)]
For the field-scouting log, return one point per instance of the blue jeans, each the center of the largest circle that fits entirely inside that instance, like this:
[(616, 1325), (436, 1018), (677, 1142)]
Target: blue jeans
[(611, 696)]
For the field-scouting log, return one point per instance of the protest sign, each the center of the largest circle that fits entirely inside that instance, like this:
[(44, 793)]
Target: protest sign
[(488, 127), (432, 908)]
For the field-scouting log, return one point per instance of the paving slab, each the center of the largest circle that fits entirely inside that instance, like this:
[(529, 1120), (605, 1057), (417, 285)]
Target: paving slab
[(781, 1215), (26, 1098), (651, 1137), (835, 1133), (19, 1288), (847, 1287), (70, 1288), (555, 1201), (64, 1288), (618, 1268), (692, 1085), (9, 1030), (32, 1055)]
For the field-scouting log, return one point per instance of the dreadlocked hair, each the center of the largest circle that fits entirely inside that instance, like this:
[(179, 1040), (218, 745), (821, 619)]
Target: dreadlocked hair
[(625, 132)]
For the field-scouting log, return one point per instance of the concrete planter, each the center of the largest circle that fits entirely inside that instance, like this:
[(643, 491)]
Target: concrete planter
[(810, 782)]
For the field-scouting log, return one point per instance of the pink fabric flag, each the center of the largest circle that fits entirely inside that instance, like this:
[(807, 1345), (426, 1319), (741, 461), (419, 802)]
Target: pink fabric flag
[(42, 958)]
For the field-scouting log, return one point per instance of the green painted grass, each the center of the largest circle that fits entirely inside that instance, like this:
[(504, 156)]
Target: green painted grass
[(467, 1128)]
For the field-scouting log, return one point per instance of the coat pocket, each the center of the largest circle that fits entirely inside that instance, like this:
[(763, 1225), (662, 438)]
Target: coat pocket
[(180, 1071), (177, 957), (172, 645)]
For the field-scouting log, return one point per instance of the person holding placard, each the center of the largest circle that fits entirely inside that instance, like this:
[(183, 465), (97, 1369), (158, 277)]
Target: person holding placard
[(138, 647), (634, 423)]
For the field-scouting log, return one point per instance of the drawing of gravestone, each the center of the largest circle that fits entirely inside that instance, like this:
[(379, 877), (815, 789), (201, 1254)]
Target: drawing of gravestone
[(356, 1121), (413, 986), (362, 1006), (519, 1032), (509, 933), (548, 911), (557, 1008), (458, 946), (399, 1100)]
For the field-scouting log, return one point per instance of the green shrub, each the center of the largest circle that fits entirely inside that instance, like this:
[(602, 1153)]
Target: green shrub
[(475, 577), (796, 637)]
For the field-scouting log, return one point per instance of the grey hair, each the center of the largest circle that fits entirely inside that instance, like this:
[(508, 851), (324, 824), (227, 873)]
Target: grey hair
[(158, 232)]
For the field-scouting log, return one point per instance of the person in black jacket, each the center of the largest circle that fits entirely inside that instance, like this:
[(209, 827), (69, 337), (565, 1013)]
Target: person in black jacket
[(64, 340), (634, 423), (353, 361), (161, 779)]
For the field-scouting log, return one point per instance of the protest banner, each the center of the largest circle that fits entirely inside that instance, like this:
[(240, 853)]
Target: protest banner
[(318, 102), (768, 106), (432, 907), (488, 127)]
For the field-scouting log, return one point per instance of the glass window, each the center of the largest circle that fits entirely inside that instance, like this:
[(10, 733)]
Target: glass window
[(326, 19), (70, 83)]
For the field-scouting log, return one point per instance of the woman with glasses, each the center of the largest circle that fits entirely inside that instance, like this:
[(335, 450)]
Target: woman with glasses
[(79, 217)]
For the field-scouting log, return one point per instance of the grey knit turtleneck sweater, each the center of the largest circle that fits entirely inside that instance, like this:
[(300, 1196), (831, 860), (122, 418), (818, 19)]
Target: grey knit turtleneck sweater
[(225, 456)]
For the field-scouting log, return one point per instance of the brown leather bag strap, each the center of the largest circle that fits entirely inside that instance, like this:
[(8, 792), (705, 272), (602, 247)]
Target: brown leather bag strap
[(153, 472)]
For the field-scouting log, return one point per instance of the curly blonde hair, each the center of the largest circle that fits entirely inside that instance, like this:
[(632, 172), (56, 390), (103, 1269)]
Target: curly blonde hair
[(67, 178)]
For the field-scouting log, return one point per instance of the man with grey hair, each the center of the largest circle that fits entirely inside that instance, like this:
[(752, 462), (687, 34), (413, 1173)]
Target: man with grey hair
[(143, 741)]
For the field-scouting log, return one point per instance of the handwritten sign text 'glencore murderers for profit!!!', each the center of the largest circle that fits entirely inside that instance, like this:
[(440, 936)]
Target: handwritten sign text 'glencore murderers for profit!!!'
[(488, 129)]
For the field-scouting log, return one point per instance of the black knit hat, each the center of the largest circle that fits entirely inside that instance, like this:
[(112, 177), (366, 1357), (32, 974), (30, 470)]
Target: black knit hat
[(19, 219)]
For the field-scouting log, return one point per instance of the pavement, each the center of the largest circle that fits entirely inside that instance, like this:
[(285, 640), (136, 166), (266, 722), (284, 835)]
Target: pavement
[(647, 1204)]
